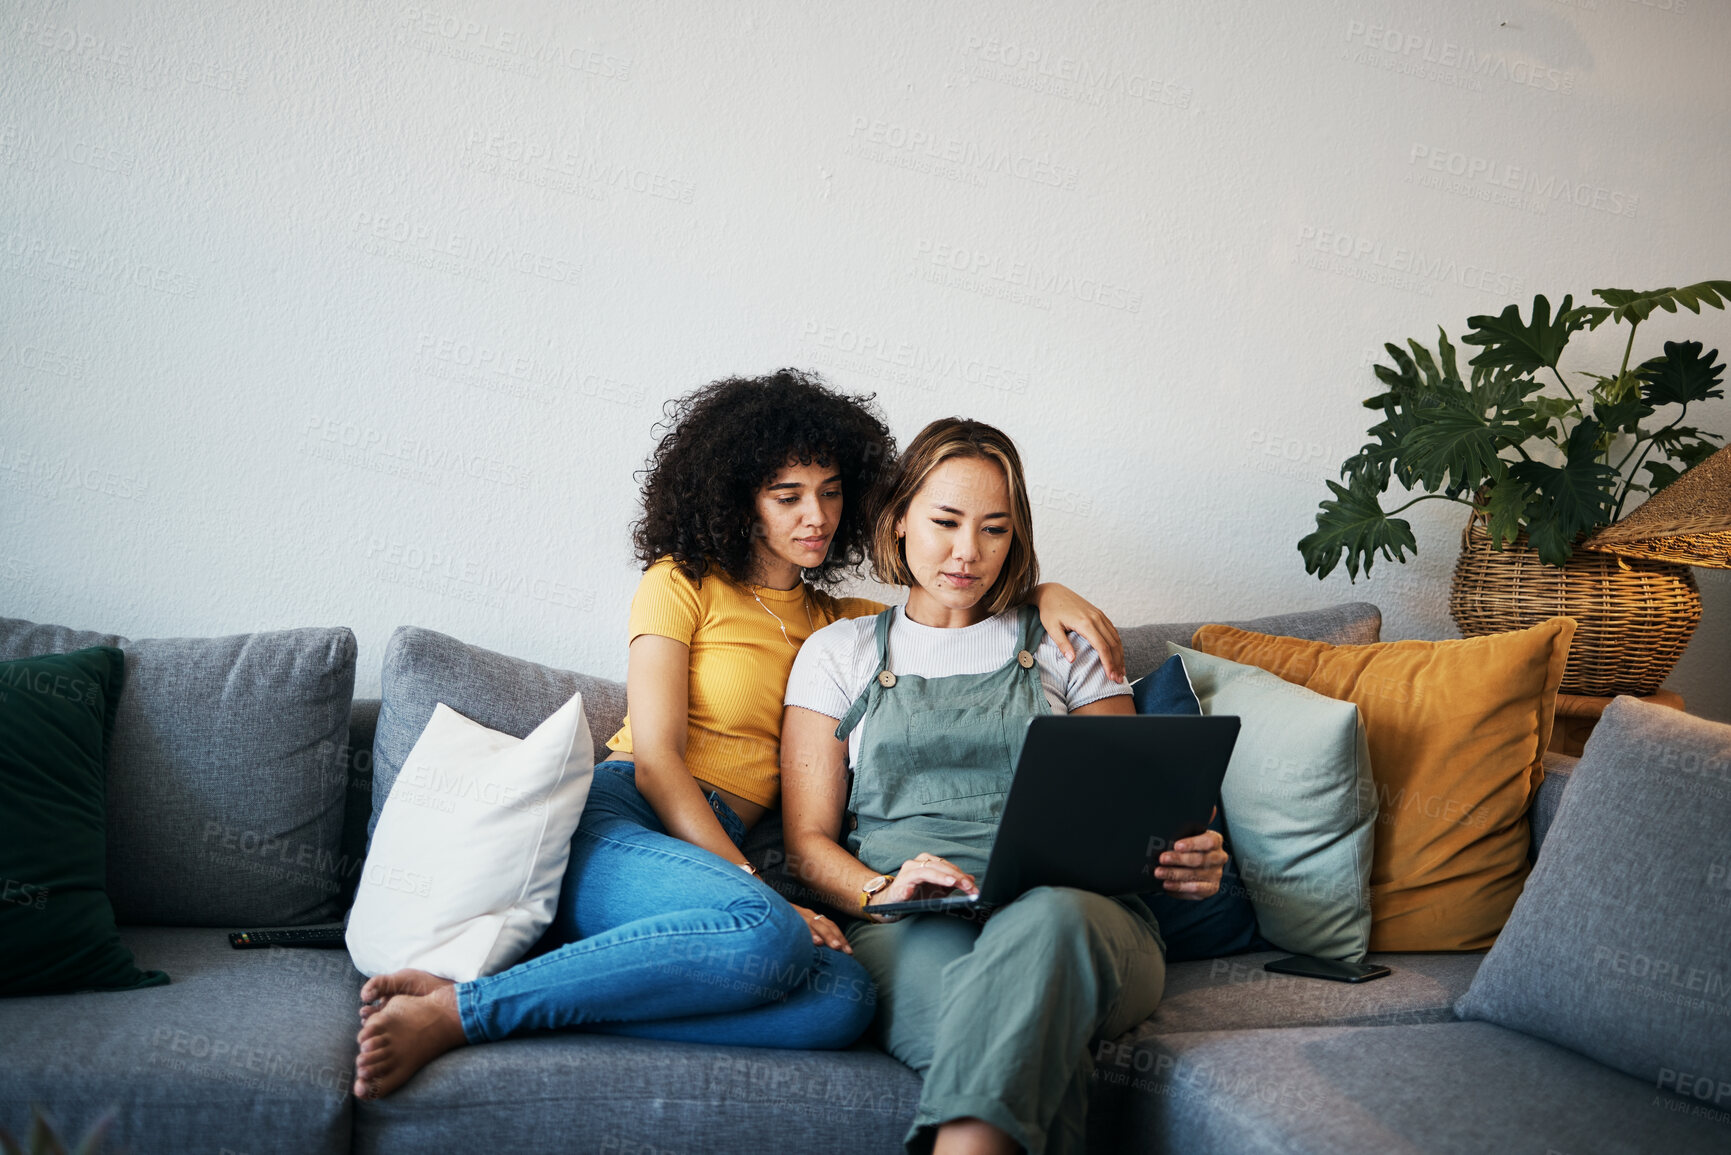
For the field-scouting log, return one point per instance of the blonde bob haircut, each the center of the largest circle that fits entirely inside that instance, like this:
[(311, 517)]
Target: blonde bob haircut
[(946, 440)]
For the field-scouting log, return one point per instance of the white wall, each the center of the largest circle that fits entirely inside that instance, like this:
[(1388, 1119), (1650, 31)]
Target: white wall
[(319, 312)]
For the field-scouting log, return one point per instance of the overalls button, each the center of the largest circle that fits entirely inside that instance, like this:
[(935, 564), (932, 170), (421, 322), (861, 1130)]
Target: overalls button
[(853, 822), (886, 679), (1025, 660)]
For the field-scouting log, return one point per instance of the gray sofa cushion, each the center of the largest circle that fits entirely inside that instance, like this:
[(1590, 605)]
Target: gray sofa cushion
[(1456, 1088), (225, 776), (423, 668), (1235, 993), (581, 1092), (1620, 945), (1347, 624), (246, 1050)]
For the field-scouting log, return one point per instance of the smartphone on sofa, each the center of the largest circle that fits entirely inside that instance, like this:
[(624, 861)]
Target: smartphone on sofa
[(1326, 968)]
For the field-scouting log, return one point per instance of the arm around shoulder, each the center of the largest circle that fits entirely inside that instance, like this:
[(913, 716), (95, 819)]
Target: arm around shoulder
[(1063, 610)]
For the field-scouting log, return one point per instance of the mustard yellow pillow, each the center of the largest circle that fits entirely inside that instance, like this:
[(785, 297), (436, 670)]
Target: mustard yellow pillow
[(1456, 731)]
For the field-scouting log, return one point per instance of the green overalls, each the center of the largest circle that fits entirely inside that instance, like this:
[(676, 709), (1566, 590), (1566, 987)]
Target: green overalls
[(998, 1016)]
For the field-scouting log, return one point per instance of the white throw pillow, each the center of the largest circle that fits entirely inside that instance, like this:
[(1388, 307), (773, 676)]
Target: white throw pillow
[(465, 865)]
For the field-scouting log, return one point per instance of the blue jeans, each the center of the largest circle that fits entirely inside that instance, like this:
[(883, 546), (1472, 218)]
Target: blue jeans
[(660, 939)]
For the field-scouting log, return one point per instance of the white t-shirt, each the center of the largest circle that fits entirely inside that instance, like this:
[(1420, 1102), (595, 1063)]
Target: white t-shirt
[(836, 663)]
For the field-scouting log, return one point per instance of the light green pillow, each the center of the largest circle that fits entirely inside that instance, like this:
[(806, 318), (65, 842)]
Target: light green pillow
[(1299, 803)]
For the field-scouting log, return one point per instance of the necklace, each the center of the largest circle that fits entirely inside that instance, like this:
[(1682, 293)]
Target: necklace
[(804, 601)]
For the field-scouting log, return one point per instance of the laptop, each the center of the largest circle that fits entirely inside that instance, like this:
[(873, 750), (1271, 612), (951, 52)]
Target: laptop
[(1094, 802)]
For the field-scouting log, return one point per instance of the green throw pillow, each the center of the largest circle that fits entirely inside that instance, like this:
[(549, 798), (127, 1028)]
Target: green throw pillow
[(57, 930), (1301, 805)]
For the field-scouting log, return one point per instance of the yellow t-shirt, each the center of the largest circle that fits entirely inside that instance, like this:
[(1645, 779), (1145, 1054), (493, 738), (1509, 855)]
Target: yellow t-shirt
[(739, 666)]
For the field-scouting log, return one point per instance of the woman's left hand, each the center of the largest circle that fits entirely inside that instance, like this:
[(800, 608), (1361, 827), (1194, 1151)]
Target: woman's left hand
[(1063, 609), (1191, 869), (824, 931)]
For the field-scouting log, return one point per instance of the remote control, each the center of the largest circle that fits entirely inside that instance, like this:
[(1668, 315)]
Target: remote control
[(328, 935)]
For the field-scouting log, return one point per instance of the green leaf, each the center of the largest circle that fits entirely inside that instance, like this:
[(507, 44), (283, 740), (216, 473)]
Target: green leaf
[(1355, 526), (1433, 377), (1546, 410), (1387, 453), (1681, 376), (1398, 380), (1682, 443), (1409, 401), (1663, 474), (1627, 304), (1447, 352), (1509, 344), (1368, 465), (1685, 444), (1617, 403), (1507, 505), (1619, 388), (1673, 436), (1623, 416), (1405, 385), (1552, 540), (1569, 498), (1695, 453), (1438, 435), (1498, 390), (1454, 449)]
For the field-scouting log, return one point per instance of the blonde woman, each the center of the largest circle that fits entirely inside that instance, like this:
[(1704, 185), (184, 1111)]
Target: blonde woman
[(898, 745)]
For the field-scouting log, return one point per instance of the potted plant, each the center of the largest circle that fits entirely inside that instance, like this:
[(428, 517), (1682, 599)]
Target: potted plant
[(1539, 467)]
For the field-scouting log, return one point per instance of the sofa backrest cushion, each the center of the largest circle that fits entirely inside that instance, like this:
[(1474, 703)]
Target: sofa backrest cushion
[(1620, 947), (1558, 769), (226, 773), (1347, 624), (512, 695), (424, 667)]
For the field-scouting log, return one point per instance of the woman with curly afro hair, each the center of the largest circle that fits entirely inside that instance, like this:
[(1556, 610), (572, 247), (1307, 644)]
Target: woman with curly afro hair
[(757, 497)]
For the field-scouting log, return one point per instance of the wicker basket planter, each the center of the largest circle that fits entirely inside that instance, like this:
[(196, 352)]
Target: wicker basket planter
[(1634, 617)]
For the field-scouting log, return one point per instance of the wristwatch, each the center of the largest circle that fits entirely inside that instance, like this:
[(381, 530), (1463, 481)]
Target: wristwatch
[(872, 888)]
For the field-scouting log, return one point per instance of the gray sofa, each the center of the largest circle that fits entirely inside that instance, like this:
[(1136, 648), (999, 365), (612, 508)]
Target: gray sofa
[(242, 782)]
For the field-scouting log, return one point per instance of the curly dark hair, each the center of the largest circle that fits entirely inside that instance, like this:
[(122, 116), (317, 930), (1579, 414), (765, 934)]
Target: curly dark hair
[(727, 440)]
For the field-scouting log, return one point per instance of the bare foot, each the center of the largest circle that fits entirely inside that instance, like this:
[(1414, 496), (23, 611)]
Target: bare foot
[(404, 1035), (971, 1136), (403, 982), (376, 990)]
